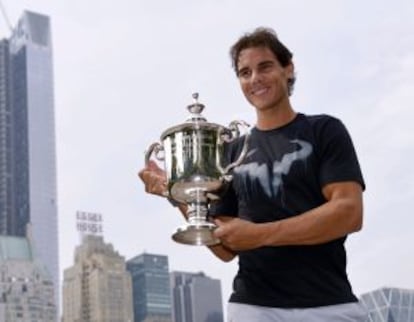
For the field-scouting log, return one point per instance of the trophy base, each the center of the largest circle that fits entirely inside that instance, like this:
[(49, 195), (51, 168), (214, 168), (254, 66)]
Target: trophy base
[(199, 235)]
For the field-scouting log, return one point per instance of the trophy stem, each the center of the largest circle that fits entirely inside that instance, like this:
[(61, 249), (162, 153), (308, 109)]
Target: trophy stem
[(197, 213), (197, 231)]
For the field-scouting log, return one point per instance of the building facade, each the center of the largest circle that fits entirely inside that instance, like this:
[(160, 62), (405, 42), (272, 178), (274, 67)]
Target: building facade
[(26, 287), (27, 138), (151, 288), (196, 298), (389, 305), (97, 288), (5, 144)]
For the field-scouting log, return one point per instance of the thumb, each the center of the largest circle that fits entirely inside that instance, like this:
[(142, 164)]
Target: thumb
[(218, 221), (152, 165), (218, 231)]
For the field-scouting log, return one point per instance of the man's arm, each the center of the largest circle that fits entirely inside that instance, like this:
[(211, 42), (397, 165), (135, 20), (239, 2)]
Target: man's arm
[(339, 216)]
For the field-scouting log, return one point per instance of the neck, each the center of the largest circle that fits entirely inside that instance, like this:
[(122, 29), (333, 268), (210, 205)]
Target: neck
[(273, 118)]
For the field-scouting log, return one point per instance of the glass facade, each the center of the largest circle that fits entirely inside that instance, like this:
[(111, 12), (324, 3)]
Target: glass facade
[(27, 138), (197, 297), (5, 146), (389, 305), (150, 287)]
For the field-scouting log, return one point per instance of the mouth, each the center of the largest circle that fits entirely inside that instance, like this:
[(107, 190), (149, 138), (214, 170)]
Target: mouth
[(259, 91)]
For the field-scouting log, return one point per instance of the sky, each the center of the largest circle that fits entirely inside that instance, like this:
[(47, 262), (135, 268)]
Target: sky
[(125, 71)]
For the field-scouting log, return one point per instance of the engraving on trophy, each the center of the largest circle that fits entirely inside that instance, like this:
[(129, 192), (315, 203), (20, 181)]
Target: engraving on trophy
[(192, 153)]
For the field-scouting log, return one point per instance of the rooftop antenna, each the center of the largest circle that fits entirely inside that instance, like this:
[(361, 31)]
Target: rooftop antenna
[(6, 18)]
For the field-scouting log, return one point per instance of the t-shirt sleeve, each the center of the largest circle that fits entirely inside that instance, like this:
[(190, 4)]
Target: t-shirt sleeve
[(339, 161)]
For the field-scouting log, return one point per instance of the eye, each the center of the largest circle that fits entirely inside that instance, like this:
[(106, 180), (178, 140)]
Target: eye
[(244, 73), (266, 66)]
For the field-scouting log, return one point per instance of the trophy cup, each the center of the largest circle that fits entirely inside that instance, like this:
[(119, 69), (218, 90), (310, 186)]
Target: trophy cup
[(192, 153)]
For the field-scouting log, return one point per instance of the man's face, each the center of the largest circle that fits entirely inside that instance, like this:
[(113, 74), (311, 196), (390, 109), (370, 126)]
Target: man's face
[(263, 80)]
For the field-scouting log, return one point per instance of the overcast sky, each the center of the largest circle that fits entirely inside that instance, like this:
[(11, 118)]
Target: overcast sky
[(125, 71)]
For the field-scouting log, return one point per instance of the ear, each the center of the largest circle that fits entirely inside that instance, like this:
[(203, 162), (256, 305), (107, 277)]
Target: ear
[(290, 71)]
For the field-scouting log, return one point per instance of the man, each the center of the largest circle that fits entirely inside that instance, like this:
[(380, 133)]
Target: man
[(292, 202)]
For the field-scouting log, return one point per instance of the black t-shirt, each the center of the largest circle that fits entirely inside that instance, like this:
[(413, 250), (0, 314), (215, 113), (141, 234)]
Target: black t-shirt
[(281, 176)]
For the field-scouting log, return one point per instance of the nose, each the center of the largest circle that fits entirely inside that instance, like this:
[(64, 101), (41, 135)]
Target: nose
[(256, 77)]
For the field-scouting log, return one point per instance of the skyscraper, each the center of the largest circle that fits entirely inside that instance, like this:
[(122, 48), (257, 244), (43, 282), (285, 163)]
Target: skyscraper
[(97, 288), (197, 297), (389, 305), (27, 138), (151, 288)]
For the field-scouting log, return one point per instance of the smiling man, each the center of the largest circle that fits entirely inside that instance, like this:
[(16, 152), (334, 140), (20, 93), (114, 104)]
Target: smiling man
[(292, 201)]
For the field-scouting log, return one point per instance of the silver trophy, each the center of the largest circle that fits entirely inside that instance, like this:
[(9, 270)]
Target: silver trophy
[(192, 153)]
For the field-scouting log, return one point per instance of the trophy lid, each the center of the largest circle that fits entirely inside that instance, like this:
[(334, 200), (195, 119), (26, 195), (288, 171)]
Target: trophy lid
[(195, 120), (195, 110)]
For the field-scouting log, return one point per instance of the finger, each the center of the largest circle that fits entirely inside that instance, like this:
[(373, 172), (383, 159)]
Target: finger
[(218, 232), (158, 186), (144, 173), (152, 165), (141, 174), (152, 177)]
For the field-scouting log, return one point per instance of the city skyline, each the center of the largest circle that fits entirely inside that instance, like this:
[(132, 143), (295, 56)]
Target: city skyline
[(125, 73)]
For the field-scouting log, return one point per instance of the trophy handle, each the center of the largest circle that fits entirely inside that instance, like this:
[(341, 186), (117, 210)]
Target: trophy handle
[(235, 133), (157, 149)]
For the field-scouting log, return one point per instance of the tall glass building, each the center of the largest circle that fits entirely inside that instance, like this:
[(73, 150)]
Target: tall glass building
[(150, 288), (27, 138), (197, 297), (389, 305)]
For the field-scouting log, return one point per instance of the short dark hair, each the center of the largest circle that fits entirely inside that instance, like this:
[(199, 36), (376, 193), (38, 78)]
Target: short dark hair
[(263, 37)]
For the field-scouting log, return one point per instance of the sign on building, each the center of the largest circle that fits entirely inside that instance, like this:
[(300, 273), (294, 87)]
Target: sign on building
[(89, 223)]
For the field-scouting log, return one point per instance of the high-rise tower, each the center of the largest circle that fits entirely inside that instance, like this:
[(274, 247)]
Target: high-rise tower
[(197, 297), (97, 288), (27, 138), (151, 288), (389, 304)]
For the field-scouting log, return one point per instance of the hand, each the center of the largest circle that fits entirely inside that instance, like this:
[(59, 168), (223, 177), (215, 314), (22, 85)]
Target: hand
[(154, 178), (238, 234)]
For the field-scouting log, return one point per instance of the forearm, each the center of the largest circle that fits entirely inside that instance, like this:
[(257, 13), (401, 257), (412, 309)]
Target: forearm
[(334, 219), (222, 252)]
